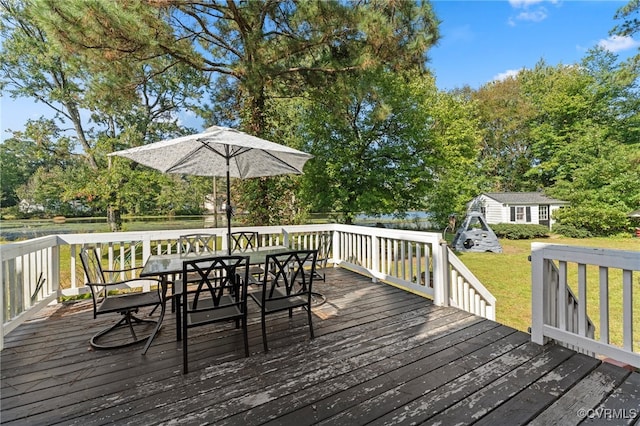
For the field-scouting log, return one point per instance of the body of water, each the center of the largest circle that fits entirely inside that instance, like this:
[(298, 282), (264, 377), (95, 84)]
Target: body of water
[(12, 230)]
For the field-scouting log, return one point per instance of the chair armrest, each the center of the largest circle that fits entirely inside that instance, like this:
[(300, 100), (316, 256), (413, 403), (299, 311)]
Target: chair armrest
[(115, 283), (122, 270)]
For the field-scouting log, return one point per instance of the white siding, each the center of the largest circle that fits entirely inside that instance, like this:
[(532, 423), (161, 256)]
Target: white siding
[(494, 212)]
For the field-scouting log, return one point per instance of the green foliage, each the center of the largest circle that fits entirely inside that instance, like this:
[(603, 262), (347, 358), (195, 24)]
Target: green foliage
[(342, 80), (514, 231), (452, 163), (595, 218), (505, 112), (259, 52), (382, 142), (572, 131), (368, 144), (629, 14), (130, 103), (571, 231)]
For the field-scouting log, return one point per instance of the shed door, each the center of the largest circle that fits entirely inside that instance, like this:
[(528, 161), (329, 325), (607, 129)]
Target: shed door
[(544, 218)]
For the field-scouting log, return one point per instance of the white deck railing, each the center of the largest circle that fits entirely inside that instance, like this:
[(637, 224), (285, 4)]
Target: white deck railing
[(558, 314), (38, 271), (466, 291)]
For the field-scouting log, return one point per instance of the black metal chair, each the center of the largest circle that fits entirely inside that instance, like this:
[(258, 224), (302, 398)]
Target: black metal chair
[(247, 240), (285, 286), (221, 297), (198, 244), (243, 240), (127, 304), (325, 241)]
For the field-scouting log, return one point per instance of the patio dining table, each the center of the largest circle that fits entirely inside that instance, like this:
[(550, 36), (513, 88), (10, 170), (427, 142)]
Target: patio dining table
[(165, 265)]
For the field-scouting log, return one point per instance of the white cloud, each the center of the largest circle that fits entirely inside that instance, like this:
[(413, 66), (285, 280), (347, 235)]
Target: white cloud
[(505, 75), (523, 3), (535, 16), (618, 43), (531, 11)]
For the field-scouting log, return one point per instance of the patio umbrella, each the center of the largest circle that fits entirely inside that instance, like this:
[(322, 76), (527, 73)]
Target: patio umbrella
[(219, 151)]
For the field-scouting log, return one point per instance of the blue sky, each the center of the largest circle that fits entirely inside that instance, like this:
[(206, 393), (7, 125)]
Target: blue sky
[(485, 40), (480, 41)]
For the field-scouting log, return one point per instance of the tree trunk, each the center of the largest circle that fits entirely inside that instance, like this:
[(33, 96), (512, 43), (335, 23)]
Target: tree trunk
[(114, 219)]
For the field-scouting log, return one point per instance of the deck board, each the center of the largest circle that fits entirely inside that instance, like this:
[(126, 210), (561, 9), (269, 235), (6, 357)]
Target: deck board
[(381, 355)]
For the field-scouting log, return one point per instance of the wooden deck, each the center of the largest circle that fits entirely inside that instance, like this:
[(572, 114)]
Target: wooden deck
[(381, 355)]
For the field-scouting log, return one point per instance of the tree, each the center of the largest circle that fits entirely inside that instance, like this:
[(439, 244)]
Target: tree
[(390, 144), (457, 140), (570, 130), (631, 24), (258, 50), (129, 103), (41, 146), (583, 141), (505, 113)]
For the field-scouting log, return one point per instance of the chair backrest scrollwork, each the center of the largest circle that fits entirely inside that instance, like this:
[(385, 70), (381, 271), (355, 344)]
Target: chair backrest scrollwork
[(197, 243), (243, 240)]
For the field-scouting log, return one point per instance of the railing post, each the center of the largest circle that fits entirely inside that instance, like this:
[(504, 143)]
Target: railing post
[(54, 268), (537, 294), (146, 248), (285, 237), (441, 275), (375, 257), (335, 247)]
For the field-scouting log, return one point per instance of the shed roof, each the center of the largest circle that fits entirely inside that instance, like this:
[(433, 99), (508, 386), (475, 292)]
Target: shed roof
[(523, 198)]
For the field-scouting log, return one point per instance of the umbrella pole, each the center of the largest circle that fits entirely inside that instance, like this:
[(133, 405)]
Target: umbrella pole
[(229, 209)]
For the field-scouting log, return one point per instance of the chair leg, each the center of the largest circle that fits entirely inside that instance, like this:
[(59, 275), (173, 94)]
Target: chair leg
[(124, 321), (173, 290), (185, 362), (246, 336), (177, 303), (131, 330), (310, 322), (264, 333)]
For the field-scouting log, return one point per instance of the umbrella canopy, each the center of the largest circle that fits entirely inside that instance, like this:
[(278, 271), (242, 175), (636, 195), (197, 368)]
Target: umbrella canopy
[(219, 151), (209, 152)]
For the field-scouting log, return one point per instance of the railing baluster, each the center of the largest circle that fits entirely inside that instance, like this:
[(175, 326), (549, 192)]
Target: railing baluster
[(561, 296), (582, 296), (627, 310), (604, 304)]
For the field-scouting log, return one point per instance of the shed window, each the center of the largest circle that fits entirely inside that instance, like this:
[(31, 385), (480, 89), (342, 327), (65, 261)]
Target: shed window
[(520, 214), (543, 212)]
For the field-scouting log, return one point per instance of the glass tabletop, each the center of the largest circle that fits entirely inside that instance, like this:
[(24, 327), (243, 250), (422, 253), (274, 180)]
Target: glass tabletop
[(164, 264)]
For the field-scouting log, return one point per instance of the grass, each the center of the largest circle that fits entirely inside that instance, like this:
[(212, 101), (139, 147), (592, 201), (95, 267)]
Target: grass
[(507, 276)]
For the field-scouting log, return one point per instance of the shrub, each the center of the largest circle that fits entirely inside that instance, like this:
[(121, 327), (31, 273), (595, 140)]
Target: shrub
[(571, 231), (513, 231), (599, 220)]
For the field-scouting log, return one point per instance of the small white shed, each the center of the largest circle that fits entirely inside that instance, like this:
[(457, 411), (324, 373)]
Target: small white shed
[(517, 207)]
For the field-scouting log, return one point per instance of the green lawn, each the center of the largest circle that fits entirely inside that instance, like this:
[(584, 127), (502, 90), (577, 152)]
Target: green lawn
[(507, 276)]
